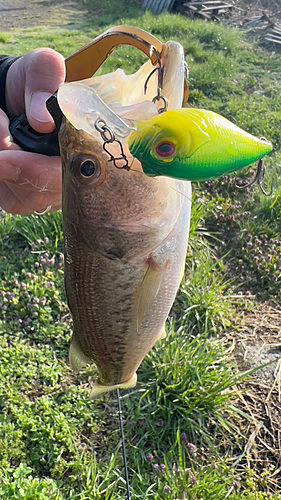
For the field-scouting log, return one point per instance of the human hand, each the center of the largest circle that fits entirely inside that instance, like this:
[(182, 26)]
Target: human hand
[(30, 182)]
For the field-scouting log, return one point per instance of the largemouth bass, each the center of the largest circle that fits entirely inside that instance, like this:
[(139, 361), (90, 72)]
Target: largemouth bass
[(125, 243), (126, 237)]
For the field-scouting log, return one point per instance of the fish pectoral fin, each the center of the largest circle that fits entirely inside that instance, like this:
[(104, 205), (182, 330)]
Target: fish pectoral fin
[(162, 333), (77, 359), (98, 389), (148, 290)]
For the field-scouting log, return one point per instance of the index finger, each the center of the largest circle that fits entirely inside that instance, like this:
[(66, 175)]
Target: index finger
[(6, 140), (38, 172)]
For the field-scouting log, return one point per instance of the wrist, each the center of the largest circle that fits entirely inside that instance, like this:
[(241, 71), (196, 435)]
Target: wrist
[(14, 87), (5, 64)]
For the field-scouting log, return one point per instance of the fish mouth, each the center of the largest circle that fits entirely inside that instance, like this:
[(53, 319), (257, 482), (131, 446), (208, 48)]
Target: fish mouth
[(86, 101)]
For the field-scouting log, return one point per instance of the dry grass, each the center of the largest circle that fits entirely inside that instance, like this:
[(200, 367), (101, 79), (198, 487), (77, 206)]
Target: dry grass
[(258, 342)]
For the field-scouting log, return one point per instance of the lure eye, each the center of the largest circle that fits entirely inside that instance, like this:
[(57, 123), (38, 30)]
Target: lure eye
[(165, 149), (86, 168)]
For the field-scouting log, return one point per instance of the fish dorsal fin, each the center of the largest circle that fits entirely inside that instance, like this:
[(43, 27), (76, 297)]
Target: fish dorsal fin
[(148, 290)]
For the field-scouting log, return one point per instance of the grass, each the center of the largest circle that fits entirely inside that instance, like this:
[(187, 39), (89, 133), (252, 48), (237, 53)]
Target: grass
[(183, 430), (194, 395)]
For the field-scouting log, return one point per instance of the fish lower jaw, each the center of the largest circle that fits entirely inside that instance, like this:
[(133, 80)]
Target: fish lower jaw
[(98, 389)]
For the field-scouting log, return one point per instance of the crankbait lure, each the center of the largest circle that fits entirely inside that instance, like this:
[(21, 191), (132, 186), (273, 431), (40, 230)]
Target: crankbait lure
[(194, 144)]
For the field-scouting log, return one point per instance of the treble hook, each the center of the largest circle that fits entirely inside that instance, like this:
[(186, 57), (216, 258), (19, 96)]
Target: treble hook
[(259, 176), (148, 78), (160, 70)]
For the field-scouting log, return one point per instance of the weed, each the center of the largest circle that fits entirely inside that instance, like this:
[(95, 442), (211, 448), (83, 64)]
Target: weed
[(205, 301), (184, 381)]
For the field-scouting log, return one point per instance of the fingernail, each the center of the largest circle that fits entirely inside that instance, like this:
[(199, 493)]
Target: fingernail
[(9, 172), (37, 107)]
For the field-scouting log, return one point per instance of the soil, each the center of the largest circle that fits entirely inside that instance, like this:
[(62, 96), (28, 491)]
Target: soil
[(257, 345), (273, 6), (258, 341), (29, 13)]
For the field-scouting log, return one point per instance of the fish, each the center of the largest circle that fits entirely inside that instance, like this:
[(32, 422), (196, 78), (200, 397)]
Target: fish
[(194, 144), (125, 234), (125, 238)]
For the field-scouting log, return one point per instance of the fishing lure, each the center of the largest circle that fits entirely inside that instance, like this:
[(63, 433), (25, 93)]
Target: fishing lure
[(194, 144)]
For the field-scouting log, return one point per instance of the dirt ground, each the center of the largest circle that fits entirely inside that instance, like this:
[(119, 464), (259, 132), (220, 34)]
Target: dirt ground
[(258, 341), (271, 5), (29, 13)]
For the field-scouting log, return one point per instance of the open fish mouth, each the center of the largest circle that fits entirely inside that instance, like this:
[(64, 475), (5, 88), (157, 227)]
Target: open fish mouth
[(120, 100)]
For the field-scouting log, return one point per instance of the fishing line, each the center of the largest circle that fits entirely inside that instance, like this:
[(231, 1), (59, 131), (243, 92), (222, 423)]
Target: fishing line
[(173, 188), (123, 445)]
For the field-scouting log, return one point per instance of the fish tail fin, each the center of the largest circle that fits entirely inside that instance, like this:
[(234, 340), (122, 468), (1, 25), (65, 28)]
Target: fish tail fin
[(77, 359), (99, 389)]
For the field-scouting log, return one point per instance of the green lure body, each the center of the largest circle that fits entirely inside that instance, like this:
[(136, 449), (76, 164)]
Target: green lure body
[(194, 144)]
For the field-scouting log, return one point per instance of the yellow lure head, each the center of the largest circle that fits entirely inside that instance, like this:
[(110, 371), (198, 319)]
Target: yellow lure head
[(194, 144)]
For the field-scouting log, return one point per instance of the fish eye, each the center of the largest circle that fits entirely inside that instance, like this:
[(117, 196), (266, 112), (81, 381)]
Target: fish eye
[(165, 149), (86, 167)]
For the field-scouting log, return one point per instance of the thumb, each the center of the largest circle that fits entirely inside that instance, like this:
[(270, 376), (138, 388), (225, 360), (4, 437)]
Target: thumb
[(31, 79), (44, 72)]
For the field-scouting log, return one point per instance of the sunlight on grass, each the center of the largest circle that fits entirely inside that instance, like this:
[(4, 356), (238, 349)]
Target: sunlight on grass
[(205, 301), (185, 382)]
